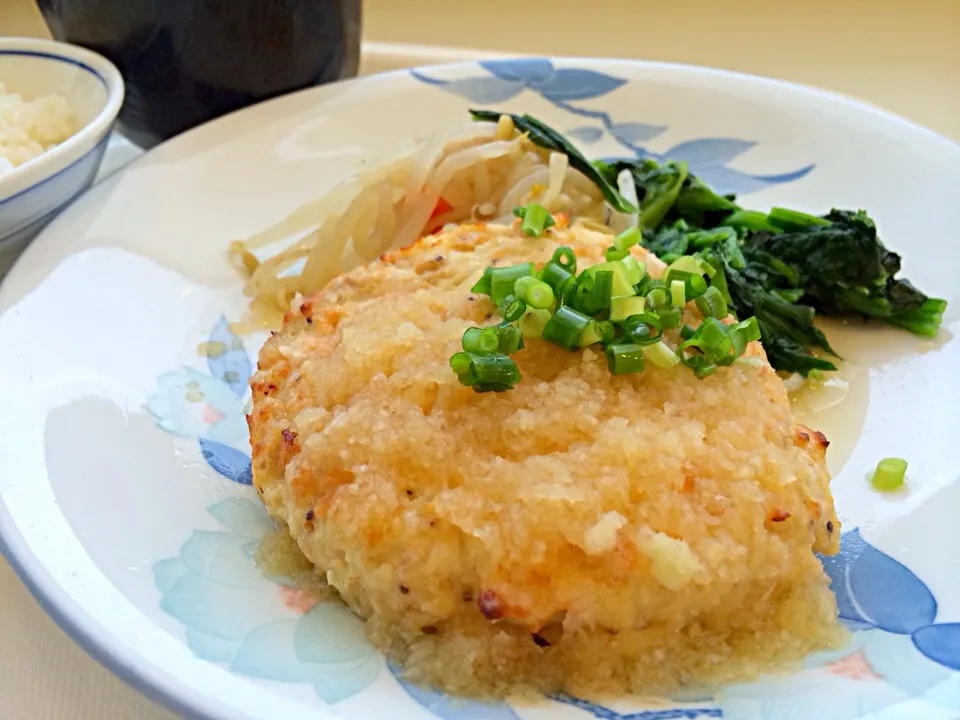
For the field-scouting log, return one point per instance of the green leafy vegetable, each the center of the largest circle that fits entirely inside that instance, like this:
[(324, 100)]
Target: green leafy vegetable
[(700, 206), (836, 265), (750, 220), (793, 219), (658, 187), (844, 268), (780, 267), (786, 328)]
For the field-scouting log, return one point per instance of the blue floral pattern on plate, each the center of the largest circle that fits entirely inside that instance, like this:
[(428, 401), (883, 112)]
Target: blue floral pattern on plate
[(209, 406), (447, 707), (708, 158), (887, 607), (235, 616), (688, 712)]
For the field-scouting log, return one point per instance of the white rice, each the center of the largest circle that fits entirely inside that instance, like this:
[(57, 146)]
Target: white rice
[(29, 128)]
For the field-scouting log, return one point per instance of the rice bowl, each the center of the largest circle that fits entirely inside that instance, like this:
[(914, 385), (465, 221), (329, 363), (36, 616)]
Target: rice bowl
[(44, 182), (28, 128)]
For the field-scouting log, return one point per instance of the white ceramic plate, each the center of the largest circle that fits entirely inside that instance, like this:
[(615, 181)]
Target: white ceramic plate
[(123, 454)]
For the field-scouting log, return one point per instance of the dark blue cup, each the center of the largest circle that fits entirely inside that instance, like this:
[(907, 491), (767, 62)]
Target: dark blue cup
[(187, 61)]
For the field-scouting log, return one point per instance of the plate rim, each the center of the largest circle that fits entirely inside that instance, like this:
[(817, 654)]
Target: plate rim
[(94, 639), (97, 640)]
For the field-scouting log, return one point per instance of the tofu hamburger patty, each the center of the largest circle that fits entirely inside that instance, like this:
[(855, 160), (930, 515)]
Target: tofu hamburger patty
[(581, 532)]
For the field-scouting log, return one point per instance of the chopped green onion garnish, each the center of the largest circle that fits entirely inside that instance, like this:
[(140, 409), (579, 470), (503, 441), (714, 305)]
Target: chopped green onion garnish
[(510, 337), (522, 284), (647, 284), (582, 290), (676, 274), (535, 218), (692, 264), (614, 303), (712, 304), (695, 284), (621, 277), (678, 294), (623, 307), (635, 269), (750, 329), (669, 317), (660, 355), (713, 336), (657, 297), (889, 474), (643, 329), (460, 362), (719, 281), (592, 333), (565, 258), (567, 290), (597, 331), (565, 327), (512, 308), (603, 288), (706, 268), (553, 275), (482, 286), (608, 331), (485, 372), (535, 293), (688, 264), (593, 292), (624, 358), (744, 333), (717, 343), (611, 253), (689, 353), (702, 371), (502, 280), (709, 345), (627, 239), (480, 341), (531, 324)]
